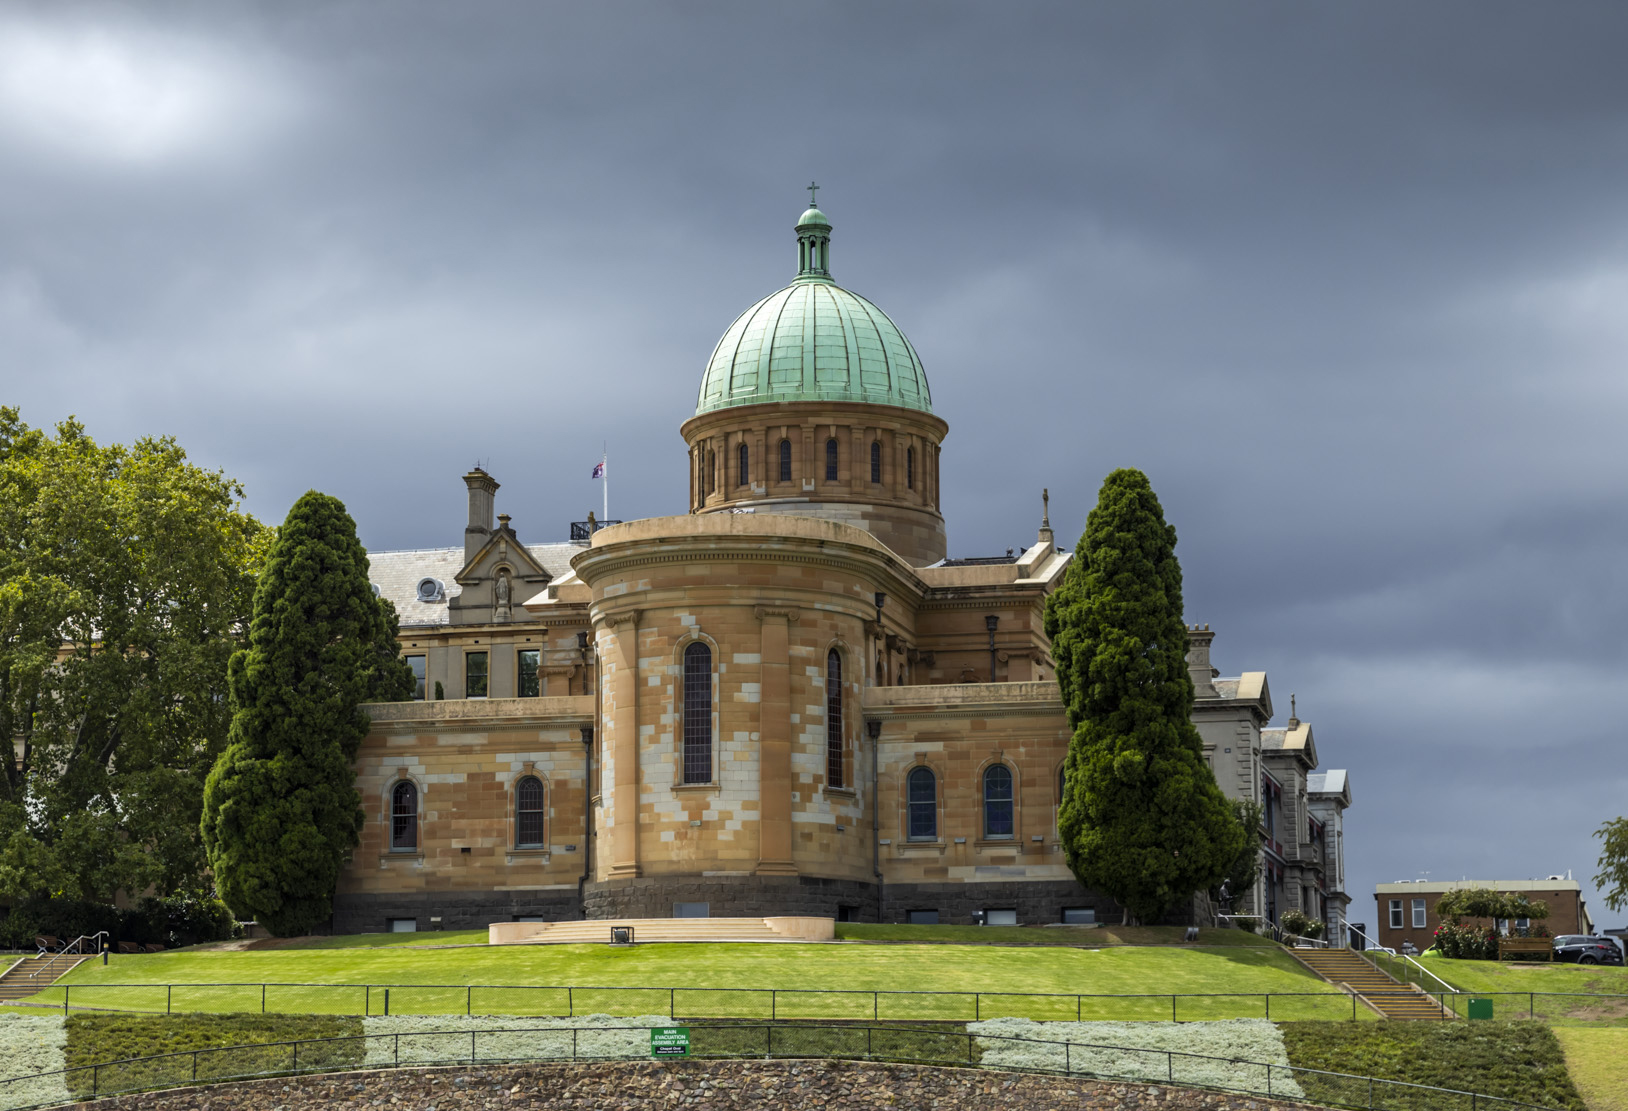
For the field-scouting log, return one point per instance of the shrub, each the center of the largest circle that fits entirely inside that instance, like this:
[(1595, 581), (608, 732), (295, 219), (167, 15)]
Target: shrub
[(1299, 925)]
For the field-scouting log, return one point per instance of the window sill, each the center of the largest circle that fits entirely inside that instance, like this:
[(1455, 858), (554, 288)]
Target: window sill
[(542, 854), (713, 786), (925, 848), (844, 792), (414, 855), (998, 843)]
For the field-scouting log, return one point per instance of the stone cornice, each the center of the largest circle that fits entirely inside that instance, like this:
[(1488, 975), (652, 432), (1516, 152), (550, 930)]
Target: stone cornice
[(812, 414), (952, 699), (480, 713)]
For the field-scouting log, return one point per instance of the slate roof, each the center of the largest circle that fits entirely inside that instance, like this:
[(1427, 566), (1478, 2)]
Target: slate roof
[(397, 574), (1331, 782)]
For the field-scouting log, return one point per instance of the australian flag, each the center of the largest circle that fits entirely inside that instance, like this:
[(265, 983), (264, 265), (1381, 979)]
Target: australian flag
[(599, 470)]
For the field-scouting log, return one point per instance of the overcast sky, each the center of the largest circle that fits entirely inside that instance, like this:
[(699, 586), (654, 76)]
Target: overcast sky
[(1348, 283)]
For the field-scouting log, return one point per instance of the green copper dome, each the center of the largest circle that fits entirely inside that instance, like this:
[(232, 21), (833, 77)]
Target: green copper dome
[(814, 341)]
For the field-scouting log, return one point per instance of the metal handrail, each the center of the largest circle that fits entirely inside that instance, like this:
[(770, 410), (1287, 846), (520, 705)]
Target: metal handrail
[(1403, 957), (951, 1037), (72, 949)]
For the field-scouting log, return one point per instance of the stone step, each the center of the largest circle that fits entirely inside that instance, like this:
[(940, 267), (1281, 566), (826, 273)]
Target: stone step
[(645, 930)]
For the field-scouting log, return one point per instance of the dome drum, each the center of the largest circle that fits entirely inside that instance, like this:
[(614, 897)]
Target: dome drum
[(870, 466)]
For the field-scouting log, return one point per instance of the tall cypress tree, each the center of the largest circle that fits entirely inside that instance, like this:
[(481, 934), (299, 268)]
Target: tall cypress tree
[(280, 806), (1142, 818)]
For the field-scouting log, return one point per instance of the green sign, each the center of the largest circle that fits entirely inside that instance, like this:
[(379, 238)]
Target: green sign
[(1480, 1008), (670, 1041)]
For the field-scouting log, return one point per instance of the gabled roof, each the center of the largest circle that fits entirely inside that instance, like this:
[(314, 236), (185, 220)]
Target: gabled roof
[(1295, 740), (397, 575), (504, 539), (1333, 784)]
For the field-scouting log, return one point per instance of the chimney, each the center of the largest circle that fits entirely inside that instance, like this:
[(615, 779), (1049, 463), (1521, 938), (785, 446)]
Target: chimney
[(1198, 661), (482, 490)]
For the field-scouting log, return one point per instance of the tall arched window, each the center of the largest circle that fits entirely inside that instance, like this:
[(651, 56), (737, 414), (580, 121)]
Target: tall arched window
[(910, 467), (876, 461), (833, 719), (922, 787), (745, 471), (997, 802), (785, 460), (830, 460), (698, 713), (404, 816), (528, 813), (712, 471)]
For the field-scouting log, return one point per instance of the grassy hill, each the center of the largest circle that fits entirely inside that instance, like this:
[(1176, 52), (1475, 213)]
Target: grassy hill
[(720, 979), (1562, 994)]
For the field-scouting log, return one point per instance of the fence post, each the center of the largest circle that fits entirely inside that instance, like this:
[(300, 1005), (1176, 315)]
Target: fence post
[(469, 1000), (95, 1071), (672, 1002), (397, 1054), (1370, 1094), (1268, 1078), (1172, 1006), (387, 1002), (296, 1065), (570, 1005), (1531, 1004), (1068, 1058), (472, 1049), (876, 1009), (969, 1049), (1078, 1007), (367, 999), (194, 1066), (66, 988), (573, 1044), (169, 990), (977, 1008), (1268, 1004), (1170, 1071), (262, 998), (868, 1031), (774, 997)]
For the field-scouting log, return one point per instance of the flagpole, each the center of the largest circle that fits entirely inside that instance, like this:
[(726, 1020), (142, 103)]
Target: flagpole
[(604, 461)]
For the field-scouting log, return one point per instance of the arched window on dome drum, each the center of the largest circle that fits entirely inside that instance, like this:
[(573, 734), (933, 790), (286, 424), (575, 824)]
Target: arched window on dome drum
[(910, 467), (528, 813), (712, 471), (876, 461), (785, 460), (830, 460), (745, 459), (698, 713), (997, 802), (833, 719), (922, 788), (404, 816)]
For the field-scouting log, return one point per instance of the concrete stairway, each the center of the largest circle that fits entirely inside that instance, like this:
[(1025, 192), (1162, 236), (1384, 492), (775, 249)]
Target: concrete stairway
[(20, 982), (598, 931), (1389, 998)]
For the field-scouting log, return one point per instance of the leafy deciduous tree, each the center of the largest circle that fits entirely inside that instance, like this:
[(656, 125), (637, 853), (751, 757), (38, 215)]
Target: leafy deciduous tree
[(126, 579), (1142, 818), (281, 807), (1614, 862)]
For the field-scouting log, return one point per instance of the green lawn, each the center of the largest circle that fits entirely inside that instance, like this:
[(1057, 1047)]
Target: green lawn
[(1514, 1060), (714, 980), (1571, 989), (1598, 1061)]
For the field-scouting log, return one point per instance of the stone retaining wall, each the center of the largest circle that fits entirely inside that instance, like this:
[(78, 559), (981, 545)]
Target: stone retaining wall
[(702, 1085)]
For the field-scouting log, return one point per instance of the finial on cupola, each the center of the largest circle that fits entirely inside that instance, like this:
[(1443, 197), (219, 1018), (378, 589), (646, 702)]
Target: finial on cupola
[(813, 240)]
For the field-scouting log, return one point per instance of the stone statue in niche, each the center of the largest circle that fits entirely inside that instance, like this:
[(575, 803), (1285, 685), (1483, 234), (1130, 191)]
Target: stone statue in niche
[(502, 591)]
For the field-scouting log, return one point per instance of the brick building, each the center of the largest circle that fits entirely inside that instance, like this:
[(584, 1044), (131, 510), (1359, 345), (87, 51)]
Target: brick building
[(786, 701), (1407, 911)]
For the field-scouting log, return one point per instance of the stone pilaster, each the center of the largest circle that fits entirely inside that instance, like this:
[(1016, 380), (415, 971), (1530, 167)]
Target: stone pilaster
[(622, 724), (774, 746)]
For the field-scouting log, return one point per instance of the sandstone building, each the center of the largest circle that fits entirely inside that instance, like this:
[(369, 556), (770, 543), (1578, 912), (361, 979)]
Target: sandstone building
[(785, 701)]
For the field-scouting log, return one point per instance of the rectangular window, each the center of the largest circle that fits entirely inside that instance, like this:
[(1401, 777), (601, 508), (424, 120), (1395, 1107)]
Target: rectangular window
[(1000, 917), (922, 917), (417, 664), (475, 675), (404, 925), (1396, 914), (690, 910), (1418, 914), (528, 685), (1080, 916)]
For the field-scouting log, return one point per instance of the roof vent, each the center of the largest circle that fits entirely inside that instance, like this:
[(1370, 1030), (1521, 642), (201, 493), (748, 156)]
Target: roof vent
[(431, 590)]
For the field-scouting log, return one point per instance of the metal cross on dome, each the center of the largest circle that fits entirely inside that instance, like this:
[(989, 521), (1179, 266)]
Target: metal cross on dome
[(812, 186)]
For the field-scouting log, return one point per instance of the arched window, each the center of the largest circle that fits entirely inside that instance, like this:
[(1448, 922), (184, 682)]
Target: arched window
[(698, 713), (876, 461), (922, 787), (833, 719), (712, 471), (997, 802), (1062, 784), (528, 813), (745, 459), (785, 460), (910, 467), (830, 460), (404, 816)]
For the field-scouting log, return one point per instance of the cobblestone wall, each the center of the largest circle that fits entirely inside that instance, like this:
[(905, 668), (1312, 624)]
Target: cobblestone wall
[(702, 1085)]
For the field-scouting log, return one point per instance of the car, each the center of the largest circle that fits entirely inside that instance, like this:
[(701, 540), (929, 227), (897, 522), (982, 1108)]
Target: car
[(1584, 949)]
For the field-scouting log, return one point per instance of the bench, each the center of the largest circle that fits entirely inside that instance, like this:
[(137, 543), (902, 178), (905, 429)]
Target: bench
[(1526, 949), (129, 947)]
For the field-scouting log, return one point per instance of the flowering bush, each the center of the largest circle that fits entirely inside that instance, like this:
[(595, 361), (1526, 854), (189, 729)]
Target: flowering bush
[(429, 1038), (1247, 1046), (1293, 922), (1467, 943), (30, 1045)]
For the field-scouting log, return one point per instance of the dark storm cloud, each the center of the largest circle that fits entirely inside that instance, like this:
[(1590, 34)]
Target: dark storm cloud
[(1346, 282)]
